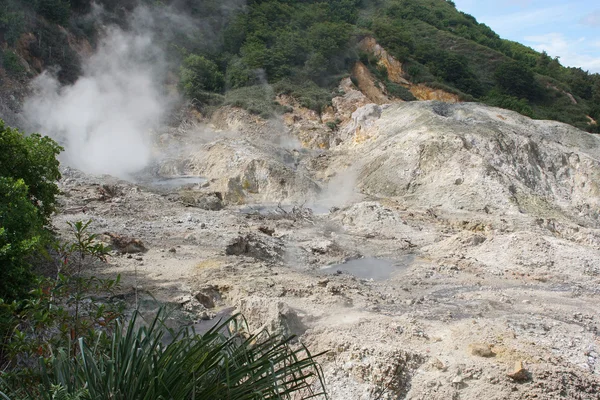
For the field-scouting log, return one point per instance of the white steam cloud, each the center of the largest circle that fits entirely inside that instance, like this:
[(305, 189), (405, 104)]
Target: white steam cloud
[(104, 120)]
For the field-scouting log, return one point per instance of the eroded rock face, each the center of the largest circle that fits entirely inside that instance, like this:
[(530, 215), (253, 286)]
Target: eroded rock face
[(488, 218), (392, 66), (469, 157), (368, 85), (263, 248), (244, 171)]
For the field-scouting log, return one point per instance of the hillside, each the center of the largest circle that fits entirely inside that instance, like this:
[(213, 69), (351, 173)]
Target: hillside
[(302, 48), (270, 158), (428, 253)]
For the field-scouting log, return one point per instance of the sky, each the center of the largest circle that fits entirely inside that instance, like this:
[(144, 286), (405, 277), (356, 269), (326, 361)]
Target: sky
[(566, 29)]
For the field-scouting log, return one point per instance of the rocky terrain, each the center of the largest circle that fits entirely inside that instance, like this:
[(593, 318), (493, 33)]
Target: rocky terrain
[(432, 250)]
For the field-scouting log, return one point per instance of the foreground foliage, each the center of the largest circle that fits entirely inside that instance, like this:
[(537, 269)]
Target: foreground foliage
[(60, 309), (151, 362), (28, 190), (68, 340)]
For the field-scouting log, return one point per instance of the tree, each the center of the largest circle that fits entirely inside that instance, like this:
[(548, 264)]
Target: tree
[(57, 11), (28, 175), (20, 234), (199, 75), (516, 79)]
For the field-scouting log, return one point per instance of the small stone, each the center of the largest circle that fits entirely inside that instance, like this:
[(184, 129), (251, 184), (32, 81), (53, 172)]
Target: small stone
[(437, 364), (205, 300), (204, 316), (519, 373), (266, 230), (172, 250), (323, 282), (482, 350)]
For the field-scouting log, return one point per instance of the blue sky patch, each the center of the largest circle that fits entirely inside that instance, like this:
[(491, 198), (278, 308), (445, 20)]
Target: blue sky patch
[(566, 29)]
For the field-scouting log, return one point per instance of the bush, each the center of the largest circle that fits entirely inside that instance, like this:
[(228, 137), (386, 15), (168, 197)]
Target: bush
[(239, 74), (12, 24), (258, 100), (28, 175), (517, 80), (199, 76), (498, 99), (141, 363), (308, 94), (60, 309), (12, 64), (53, 48), (21, 229), (57, 11), (399, 91)]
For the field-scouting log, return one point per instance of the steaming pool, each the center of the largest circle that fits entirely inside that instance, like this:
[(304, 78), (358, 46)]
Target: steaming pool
[(377, 269), (271, 209), (174, 182)]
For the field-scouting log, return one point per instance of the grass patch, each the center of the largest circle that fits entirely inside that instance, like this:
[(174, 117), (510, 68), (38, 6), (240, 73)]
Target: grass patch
[(308, 94), (12, 64), (258, 100)]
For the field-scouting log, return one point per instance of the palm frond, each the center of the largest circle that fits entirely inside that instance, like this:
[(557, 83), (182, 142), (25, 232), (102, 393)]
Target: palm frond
[(219, 364)]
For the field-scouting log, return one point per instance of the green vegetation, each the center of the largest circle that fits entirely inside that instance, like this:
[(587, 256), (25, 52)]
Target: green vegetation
[(444, 47), (11, 63), (142, 362), (303, 47), (28, 175), (199, 77), (256, 99), (68, 340)]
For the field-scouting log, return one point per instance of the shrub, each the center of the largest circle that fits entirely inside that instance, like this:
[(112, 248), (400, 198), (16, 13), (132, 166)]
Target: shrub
[(308, 94), (141, 363), (60, 309), (259, 100), (21, 229), (238, 74), (53, 48), (498, 99), (28, 175), (12, 64), (399, 91), (12, 24), (199, 76), (33, 159), (517, 80), (57, 11)]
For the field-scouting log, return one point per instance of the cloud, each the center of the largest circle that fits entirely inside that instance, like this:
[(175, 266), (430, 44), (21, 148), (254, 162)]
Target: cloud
[(572, 52), (592, 19), (526, 19)]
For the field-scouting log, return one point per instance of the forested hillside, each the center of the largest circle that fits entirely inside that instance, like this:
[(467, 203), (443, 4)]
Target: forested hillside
[(302, 48)]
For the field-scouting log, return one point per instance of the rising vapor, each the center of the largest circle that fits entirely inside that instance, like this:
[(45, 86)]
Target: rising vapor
[(104, 120)]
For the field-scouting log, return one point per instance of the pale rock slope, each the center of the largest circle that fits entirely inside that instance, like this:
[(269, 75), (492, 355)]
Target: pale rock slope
[(472, 232)]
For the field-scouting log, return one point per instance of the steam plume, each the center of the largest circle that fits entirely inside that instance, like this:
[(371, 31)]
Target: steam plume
[(104, 119)]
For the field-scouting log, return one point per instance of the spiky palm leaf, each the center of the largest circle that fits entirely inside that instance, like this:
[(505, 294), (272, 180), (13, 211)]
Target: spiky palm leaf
[(214, 365)]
